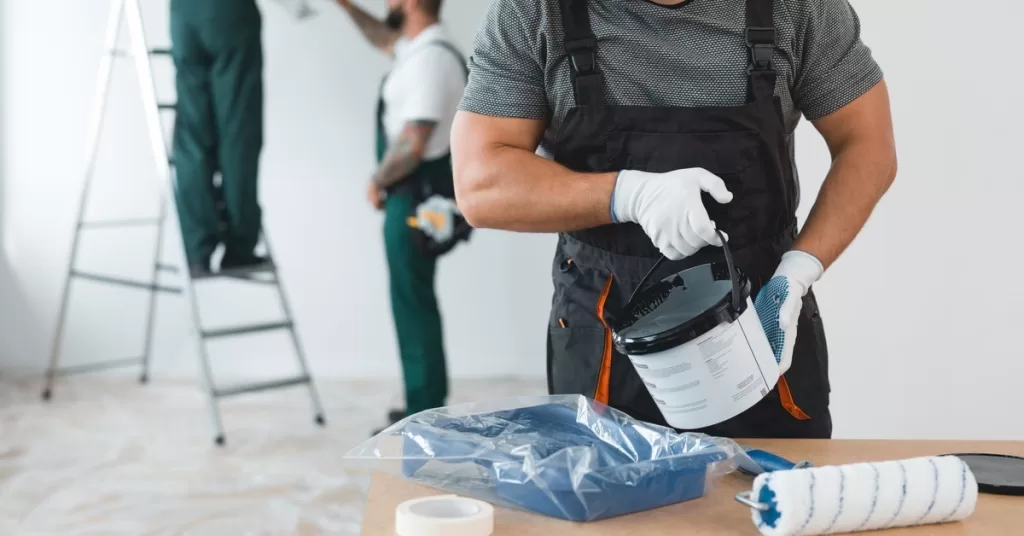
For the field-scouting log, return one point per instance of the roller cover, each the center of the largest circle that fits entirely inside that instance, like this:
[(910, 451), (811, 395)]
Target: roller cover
[(865, 496)]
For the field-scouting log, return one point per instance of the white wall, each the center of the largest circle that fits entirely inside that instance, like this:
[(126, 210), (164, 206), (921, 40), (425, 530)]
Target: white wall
[(321, 83), (921, 311)]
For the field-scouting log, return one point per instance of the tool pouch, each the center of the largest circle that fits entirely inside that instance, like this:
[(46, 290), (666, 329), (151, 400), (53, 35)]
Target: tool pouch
[(435, 222)]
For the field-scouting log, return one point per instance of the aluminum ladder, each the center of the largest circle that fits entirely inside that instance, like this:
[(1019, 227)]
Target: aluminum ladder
[(129, 13)]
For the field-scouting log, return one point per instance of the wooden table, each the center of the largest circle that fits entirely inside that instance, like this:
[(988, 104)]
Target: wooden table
[(718, 514)]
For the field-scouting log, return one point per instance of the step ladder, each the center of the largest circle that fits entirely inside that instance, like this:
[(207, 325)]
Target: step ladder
[(129, 13)]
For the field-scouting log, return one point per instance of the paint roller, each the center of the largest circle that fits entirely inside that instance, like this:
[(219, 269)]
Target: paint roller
[(796, 500)]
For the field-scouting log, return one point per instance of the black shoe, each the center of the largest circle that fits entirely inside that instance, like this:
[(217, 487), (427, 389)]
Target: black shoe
[(247, 262), (394, 415), (199, 269)]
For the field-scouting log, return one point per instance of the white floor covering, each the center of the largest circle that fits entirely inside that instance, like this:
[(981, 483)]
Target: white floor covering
[(108, 456)]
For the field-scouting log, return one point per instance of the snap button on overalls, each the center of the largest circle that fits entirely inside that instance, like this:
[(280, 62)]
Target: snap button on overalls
[(596, 269)]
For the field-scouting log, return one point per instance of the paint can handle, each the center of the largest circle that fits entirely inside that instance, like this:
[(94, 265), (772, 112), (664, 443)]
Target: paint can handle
[(737, 295)]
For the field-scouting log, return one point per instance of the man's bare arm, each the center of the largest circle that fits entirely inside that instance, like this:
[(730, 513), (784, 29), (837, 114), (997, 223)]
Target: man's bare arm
[(405, 154), (374, 30), (501, 183), (860, 138)]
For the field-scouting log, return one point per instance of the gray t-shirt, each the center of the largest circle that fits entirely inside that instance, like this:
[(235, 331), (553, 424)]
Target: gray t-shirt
[(690, 54)]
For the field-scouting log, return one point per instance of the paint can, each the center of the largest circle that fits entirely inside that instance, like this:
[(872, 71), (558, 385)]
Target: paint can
[(697, 343)]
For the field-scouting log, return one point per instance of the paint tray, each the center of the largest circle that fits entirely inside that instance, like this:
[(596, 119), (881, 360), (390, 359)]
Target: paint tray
[(567, 457)]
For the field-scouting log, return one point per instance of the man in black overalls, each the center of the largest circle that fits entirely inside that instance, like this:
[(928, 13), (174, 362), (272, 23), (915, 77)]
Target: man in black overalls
[(630, 180)]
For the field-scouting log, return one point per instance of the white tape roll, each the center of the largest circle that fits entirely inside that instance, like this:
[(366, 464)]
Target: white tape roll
[(444, 515)]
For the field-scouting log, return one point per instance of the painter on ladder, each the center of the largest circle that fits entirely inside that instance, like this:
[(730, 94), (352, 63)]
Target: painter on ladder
[(657, 122), (218, 58), (413, 182)]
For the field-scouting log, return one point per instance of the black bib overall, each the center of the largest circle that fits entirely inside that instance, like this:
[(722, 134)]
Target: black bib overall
[(596, 269)]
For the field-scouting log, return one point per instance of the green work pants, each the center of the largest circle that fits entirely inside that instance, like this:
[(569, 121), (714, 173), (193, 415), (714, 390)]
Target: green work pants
[(218, 56), (414, 306)]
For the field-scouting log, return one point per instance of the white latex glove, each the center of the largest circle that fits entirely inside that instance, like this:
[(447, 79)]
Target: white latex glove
[(669, 209), (779, 302)]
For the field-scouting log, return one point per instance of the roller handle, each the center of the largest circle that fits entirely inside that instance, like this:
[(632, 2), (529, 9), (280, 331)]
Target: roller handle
[(769, 462)]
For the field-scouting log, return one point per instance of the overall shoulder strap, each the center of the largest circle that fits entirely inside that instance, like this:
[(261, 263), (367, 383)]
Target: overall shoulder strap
[(761, 40), (581, 47), (439, 42), (455, 52)]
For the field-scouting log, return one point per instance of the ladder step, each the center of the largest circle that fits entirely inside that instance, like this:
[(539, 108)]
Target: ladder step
[(261, 386), (120, 53), (160, 52), (166, 268), (119, 223), (167, 106), (245, 273), (242, 330), (102, 365), (124, 282)]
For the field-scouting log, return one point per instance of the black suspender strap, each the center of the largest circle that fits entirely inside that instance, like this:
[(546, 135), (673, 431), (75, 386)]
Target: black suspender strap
[(761, 40), (581, 47)]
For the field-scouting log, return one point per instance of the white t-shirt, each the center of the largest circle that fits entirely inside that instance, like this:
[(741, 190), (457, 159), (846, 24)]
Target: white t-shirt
[(426, 84)]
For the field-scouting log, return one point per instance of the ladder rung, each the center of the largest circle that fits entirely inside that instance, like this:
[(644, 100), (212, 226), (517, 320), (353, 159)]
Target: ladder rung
[(253, 279), (120, 53), (89, 367), (125, 282), (167, 106), (242, 330), (166, 268), (160, 52), (120, 223), (261, 386), (244, 273)]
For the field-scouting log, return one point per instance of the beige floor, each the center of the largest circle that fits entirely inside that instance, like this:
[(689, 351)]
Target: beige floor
[(111, 457)]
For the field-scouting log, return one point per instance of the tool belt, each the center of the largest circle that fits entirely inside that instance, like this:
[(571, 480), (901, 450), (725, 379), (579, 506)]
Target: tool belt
[(436, 223)]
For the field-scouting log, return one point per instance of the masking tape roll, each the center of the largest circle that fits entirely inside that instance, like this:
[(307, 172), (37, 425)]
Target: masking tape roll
[(444, 515)]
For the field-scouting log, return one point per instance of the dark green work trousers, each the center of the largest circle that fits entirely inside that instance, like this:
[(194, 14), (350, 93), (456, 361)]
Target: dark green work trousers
[(218, 56), (414, 306)]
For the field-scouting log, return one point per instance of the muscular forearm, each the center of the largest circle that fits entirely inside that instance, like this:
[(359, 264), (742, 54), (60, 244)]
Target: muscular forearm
[(513, 189), (860, 176), (374, 30)]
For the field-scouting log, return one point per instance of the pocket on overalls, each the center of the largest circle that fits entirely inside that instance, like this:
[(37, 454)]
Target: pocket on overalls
[(575, 361), (579, 344), (722, 153), (808, 377), (735, 157)]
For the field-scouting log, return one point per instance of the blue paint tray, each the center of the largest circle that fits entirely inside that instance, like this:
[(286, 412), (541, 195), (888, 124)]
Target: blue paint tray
[(569, 458)]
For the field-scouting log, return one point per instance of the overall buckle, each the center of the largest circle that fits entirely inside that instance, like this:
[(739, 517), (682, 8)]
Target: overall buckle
[(582, 54), (761, 42), (761, 57), (584, 62)]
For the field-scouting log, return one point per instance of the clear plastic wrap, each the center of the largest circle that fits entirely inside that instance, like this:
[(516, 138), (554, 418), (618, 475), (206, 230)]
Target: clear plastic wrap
[(567, 457)]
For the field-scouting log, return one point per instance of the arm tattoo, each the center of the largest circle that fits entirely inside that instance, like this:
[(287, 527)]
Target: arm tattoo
[(404, 156), (374, 30)]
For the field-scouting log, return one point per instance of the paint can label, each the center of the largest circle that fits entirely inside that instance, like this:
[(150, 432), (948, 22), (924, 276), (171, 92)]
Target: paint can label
[(713, 377)]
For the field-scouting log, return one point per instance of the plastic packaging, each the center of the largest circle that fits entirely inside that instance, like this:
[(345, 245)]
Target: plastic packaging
[(567, 457)]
